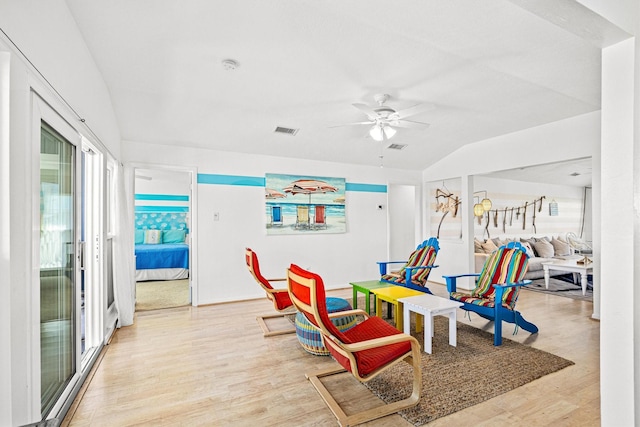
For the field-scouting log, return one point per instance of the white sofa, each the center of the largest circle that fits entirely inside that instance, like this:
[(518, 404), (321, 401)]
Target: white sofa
[(557, 248)]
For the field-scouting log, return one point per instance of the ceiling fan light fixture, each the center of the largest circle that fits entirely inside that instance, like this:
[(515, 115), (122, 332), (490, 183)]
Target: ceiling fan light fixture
[(389, 132), (376, 133)]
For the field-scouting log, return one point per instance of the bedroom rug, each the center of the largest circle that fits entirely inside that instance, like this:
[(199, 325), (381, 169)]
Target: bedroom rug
[(162, 294), (561, 286), (455, 378)]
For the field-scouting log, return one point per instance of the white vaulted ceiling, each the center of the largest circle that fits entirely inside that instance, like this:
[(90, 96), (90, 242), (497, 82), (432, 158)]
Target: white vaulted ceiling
[(489, 67)]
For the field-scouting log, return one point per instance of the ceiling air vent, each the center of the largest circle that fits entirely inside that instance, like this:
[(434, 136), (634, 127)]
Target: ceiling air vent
[(287, 131), (396, 146)]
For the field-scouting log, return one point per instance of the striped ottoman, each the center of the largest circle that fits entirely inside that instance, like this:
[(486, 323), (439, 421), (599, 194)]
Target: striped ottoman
[(310, 338)]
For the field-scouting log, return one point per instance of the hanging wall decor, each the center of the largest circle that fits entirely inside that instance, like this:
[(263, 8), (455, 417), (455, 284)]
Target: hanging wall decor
[(553, 208), (304, 204), (447, 203)]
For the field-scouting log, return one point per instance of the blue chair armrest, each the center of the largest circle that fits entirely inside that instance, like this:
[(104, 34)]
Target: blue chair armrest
[(451, 280), (501, 288), (408, 271), (511, 285), (382, 265)]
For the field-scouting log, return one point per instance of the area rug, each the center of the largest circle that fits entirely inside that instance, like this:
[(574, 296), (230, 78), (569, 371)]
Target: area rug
[(161, 294), (561, 286), (455, 378)]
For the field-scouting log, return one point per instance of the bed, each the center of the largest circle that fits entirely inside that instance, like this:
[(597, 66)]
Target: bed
[(161, 255)]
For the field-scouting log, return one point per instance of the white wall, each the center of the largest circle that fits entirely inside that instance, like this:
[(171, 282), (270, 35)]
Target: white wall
[(46, 33), (162, 182), (338, 258), (508, 193), (619, 312)]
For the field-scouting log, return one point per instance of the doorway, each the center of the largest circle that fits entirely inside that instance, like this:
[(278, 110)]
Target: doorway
[(402, 220), (164, 226)]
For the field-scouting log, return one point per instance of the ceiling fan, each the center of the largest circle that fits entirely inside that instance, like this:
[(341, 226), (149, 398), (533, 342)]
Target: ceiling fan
[(384, 118)]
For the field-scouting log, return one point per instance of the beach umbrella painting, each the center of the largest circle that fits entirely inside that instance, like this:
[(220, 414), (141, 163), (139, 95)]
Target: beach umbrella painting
[(270, 193), (309, 186)]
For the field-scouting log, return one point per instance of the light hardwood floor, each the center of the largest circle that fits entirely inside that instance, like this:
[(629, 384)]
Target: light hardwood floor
[(211, 366)]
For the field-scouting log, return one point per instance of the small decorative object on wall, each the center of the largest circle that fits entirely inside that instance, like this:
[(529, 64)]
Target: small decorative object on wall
[(483, 209), (482, 206), (304, 205), (448, 203), (553, 208)]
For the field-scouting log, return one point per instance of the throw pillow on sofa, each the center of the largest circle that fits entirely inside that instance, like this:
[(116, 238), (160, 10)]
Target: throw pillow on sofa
[(544, 249), (489, 246), (477, 246), (528, 249), (561, 248)]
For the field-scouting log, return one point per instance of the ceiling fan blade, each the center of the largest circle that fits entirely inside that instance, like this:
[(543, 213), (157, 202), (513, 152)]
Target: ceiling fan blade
[(366, 109), (352, 124), (412, 111), (404, 123)]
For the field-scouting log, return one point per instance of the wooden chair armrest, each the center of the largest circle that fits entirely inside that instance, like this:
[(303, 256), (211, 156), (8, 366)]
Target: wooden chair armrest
[(378, 342), (276, 291), (354, 312), (277, 280)]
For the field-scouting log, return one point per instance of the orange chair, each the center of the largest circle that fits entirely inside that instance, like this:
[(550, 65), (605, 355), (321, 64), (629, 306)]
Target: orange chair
[(280, 297), (319, 217), (365, 350)]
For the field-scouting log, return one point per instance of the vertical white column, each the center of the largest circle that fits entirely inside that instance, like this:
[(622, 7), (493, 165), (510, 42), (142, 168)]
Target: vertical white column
[(618, 279)]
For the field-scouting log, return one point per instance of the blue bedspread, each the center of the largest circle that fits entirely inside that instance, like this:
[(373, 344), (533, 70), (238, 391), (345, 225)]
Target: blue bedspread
[(166, 255)]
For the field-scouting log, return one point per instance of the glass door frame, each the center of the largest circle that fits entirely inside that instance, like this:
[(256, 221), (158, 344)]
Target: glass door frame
[(42, 111), (92, 248)]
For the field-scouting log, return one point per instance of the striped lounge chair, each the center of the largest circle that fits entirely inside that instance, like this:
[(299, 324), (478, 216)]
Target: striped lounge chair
[(500, 280), (415, 272)]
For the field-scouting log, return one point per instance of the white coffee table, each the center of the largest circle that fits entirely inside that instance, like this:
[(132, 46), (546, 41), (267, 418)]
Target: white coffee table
[(571, 266), (430, 306)]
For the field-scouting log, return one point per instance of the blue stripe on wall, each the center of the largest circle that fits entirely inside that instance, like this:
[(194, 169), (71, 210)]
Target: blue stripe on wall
[(162, 209), (367, 188), (254, 181), (167, 197)]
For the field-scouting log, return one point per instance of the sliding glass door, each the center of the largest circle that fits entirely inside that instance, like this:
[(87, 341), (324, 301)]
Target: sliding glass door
[(57, 265)]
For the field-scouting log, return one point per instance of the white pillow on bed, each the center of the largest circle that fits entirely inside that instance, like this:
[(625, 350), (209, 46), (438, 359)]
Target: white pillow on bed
[(152, 237)]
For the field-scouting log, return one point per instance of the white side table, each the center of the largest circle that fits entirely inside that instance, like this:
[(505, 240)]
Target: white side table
[(570, 265), (430, 306)]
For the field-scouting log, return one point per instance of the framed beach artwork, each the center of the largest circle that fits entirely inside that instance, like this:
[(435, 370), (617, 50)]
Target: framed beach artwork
[(298, 204)]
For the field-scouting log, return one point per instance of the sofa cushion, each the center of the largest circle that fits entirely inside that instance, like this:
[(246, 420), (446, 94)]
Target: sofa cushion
[(489, 246), (528, 249), (544, 249), (561, 248), (477, 246)]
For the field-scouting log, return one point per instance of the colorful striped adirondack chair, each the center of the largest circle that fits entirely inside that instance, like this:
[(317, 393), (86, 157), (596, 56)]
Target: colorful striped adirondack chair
[(365, 350), (500, 280), (415, 272)]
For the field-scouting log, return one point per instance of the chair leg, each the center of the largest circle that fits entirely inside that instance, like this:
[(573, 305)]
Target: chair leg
[(376, 412), (527, 326), (266, 332)]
